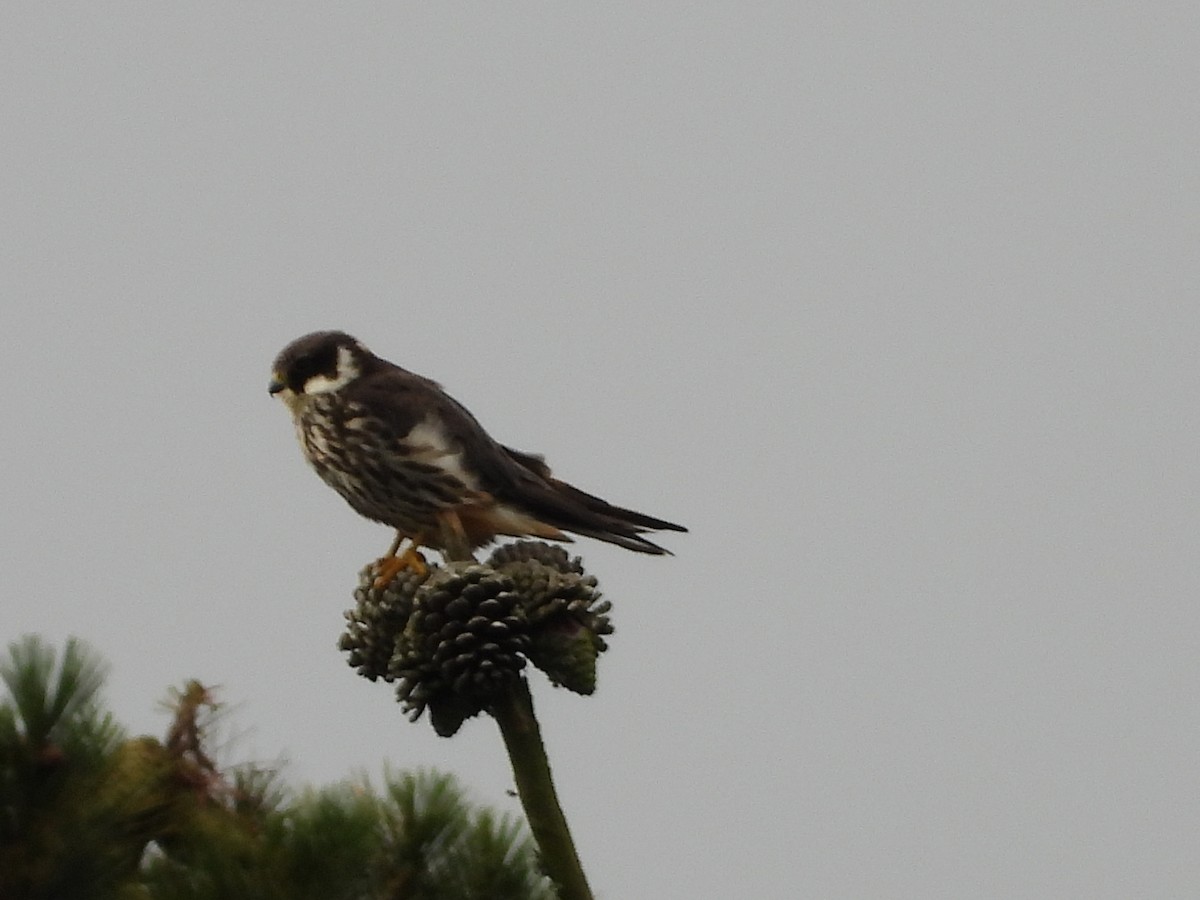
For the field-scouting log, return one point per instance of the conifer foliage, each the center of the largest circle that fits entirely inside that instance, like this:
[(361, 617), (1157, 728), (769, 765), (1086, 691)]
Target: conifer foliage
[(88, 812)]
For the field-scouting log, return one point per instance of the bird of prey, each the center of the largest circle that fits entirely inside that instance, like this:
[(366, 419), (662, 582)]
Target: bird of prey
[(403, 452)]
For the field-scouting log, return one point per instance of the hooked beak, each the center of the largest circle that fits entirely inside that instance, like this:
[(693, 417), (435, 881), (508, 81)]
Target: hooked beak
[(276, 385)]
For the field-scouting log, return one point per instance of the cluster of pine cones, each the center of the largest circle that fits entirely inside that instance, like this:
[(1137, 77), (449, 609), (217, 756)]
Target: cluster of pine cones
[(454, 637)]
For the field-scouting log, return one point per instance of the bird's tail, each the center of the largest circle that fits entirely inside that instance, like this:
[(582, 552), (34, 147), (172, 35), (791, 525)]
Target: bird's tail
[(567, 507)]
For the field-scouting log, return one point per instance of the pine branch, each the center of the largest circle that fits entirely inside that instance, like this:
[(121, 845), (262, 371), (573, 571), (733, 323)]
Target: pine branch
[(456, 639), (513, 711)]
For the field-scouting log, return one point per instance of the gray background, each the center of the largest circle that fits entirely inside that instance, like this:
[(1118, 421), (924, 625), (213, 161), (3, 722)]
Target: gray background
[(893, 304)]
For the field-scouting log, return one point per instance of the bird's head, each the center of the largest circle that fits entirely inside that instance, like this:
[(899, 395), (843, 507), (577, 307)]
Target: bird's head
[(317, 363)]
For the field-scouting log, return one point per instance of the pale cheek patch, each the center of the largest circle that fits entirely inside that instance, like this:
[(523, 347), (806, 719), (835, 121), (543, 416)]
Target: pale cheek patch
[(323, 384), (347, 371)]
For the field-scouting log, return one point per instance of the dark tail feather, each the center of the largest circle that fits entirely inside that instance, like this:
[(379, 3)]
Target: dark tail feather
[(638, 521), (626, 539), (593, 517), (567, 507)]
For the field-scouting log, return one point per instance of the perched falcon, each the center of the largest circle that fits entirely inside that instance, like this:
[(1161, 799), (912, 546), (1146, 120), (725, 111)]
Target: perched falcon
[(405, 453)]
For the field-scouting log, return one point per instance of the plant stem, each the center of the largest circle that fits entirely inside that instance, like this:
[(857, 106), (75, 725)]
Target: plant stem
[(513, 711)]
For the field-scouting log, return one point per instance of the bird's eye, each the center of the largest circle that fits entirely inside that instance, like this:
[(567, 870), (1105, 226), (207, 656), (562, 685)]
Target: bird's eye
[(299, 373)]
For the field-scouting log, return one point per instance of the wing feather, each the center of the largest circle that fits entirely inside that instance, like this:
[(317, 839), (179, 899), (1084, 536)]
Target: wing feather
[(425, 417)]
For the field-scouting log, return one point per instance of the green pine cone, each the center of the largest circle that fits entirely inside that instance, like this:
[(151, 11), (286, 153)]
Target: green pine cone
[(453, 637), (550, 555), (567, 619), (464, 641), (377, 620)]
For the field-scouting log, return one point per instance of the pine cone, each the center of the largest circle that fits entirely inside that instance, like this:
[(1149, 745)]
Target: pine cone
[(548, 554), (454, 637), (567, 620), (377, 620), (464, 641)]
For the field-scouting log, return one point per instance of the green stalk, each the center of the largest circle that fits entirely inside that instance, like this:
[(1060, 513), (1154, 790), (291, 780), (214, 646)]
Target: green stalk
[(513, 711)]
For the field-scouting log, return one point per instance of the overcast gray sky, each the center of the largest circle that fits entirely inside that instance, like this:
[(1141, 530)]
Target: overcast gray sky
[(893, 304)]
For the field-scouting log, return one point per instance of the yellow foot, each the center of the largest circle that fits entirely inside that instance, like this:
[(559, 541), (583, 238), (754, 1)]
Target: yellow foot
[(391, 566)]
